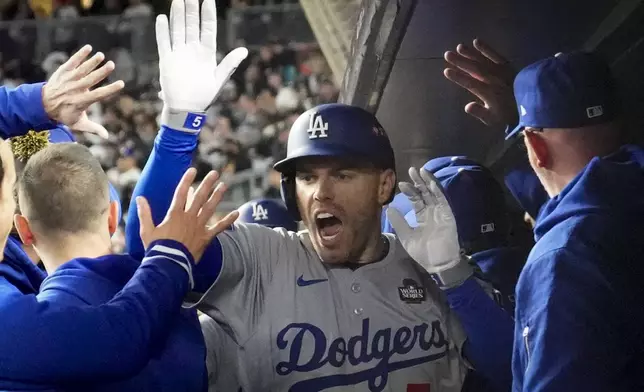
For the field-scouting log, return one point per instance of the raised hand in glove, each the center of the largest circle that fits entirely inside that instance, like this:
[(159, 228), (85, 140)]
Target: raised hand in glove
[(189, 75), (434, 242)]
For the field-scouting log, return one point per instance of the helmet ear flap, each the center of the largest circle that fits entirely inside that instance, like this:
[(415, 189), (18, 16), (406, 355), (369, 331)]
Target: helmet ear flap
[(287, 189)]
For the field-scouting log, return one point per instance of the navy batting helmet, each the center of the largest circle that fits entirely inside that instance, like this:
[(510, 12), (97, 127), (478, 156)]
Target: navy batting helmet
[(335, 130), (267, 212)]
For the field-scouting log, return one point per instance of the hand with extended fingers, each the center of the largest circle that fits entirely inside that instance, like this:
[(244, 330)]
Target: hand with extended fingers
[(190, 77), (486, 74), (187, 219), (68, 92), (434, 242)]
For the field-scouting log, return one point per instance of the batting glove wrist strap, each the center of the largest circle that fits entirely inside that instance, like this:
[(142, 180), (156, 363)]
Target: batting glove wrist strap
[(454, 276), (183, 120)]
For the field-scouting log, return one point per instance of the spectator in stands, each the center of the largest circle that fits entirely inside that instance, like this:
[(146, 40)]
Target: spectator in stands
[(138, 9), (126, 173)]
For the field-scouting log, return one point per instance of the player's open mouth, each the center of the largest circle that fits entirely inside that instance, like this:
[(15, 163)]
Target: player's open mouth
[(328, 225)]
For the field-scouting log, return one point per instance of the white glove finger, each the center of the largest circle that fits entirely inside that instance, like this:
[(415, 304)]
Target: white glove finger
[(163, 37), (398, 222), (422, 187), (416, 199), (209, 25), (226, 68), (192, 21), (178, 23), (409, 190), (434, 187)]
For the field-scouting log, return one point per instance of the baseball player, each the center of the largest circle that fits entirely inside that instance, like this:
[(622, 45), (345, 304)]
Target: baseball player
[(27, 321), (337, 307), (67, 216), (221, 358)]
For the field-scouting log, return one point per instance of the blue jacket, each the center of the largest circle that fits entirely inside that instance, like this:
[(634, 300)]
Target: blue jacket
[(19, 270), (21, 109), (177, 363), (579, 312), (43, 343)]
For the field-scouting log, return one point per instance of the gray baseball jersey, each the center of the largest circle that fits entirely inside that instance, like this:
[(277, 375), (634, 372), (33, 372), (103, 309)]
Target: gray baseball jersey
[(221, 356), (302, 325)]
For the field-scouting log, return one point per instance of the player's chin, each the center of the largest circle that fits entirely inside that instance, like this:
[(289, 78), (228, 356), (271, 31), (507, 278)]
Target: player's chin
[(331, 249)]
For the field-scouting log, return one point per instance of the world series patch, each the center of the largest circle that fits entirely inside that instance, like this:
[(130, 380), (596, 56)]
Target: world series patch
[(411, 292)]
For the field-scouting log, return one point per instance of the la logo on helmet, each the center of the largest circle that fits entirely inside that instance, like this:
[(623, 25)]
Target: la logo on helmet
[(259, 212), (317, 127)]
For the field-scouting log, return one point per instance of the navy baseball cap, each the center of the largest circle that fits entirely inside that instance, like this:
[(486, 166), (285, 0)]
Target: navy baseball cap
[(568, 90), (478, 204), (439, 163), (267, 212)]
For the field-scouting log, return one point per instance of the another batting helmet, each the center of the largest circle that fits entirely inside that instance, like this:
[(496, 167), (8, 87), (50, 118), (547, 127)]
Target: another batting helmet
[(333, 130), (267, 212)]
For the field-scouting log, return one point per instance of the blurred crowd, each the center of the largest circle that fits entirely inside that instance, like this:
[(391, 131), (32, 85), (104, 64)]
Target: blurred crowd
[(247, 125)]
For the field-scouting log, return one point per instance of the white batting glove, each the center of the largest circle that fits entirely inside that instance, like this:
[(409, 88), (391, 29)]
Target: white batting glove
[(189, 75), (434, 242)]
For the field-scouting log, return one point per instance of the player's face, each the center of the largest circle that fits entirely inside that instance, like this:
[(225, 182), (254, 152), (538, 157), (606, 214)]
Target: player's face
[(340, 203)]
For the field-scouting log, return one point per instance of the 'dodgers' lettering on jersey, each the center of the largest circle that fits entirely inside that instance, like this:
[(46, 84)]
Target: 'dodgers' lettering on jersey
[(360, 349)]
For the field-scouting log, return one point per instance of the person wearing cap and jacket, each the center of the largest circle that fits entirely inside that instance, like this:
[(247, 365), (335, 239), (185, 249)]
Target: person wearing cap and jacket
[(481, 215), (478, 204), (579, 312)]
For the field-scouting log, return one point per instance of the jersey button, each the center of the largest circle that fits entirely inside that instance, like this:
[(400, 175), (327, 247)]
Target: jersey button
[(355, 287), (357, 311)]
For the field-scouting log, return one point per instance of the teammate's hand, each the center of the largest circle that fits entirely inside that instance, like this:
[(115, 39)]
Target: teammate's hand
[(487, 75), (189, 75), (67, 95), (187, 218), (434, 242)]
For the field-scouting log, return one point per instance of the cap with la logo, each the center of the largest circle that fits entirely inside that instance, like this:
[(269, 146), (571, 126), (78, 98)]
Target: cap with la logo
[(568, 90), (337, 130)]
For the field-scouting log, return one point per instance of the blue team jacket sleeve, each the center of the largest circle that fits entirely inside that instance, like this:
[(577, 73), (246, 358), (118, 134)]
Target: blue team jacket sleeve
[(489, 332), (565, 327), (41, 342), (21, 109), (169, 160)]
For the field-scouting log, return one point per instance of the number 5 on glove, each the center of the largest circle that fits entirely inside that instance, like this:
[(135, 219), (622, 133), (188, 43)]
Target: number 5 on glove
[(188, 72)]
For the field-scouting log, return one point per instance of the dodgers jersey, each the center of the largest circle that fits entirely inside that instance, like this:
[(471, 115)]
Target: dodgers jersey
[(221, 356), (301, 325)]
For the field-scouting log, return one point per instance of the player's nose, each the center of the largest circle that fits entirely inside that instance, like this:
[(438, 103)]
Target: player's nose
[(324, 189)]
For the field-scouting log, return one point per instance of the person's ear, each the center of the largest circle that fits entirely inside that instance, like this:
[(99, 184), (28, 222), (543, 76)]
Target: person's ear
[(386, 187), (538, 150), (24, 229), (113, 218)]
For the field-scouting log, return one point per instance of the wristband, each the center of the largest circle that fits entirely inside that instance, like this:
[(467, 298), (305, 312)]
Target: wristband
[(453, 277), (183, 120)]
